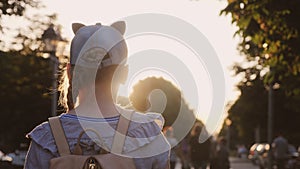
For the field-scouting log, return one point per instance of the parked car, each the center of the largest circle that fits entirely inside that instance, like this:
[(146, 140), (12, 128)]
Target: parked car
[(262, 156), (252, 153), (5, 158), (293, 156), (262, 161), (5, 161), (257, 151), (18, 157)]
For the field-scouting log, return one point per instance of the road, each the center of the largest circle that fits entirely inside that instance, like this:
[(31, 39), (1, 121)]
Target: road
[(236, 163)]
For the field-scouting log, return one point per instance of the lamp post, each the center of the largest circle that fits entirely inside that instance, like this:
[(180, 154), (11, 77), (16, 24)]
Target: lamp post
[(228, 123), (50, 40), (270, 121)]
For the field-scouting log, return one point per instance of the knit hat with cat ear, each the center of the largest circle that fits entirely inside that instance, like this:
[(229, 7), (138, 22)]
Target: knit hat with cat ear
[(92, 43)]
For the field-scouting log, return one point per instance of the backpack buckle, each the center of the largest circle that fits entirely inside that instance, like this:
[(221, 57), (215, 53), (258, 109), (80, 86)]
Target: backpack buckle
[(92, 166), (92, 163)]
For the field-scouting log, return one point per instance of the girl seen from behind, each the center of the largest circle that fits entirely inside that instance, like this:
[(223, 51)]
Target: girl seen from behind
[(89, 90)]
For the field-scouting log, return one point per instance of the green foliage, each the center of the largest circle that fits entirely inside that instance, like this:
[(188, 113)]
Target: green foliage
[(24, 97), (11, 7), (270, 34), (269, 30), (250, 112), (27, 38), (26, 78)]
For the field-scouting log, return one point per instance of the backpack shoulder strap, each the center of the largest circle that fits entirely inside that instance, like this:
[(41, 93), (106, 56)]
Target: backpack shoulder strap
[(121, 132), (59, 136)]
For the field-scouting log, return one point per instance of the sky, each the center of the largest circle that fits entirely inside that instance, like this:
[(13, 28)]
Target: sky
[(202, 14)]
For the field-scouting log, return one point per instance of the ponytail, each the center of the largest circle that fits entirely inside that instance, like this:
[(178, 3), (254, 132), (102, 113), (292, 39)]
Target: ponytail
[(70, 101), (66, 98)]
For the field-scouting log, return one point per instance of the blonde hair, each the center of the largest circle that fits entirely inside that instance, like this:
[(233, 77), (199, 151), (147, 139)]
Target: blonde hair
[(81, 77), (63, 89)]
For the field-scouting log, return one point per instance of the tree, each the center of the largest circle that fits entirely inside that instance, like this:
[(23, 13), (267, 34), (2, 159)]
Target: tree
[(140, 97), (14, 8), (24, 97), (144, 97), (270, 38), (17, 7), (26, 77), (269, 33), (27, 39), (249, 113)]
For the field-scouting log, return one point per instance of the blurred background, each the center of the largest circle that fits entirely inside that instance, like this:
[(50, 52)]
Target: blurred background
[(257, 42)]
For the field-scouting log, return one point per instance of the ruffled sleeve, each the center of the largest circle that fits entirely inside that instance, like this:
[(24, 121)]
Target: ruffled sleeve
[(145, 125), (157, 118), (42, 136), (143, 130), (37, 157)]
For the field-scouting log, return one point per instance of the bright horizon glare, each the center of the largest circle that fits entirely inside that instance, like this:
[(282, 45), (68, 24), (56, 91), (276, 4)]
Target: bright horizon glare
[(203, 14)]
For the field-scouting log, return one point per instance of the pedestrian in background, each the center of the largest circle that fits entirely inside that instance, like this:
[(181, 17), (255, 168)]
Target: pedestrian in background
[(213, 164), (281, 152), (169, 134), (185, 153), (222, 154), (199, 152)]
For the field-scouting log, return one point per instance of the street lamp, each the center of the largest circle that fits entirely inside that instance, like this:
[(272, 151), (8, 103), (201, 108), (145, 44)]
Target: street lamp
[(270, 120), (51, 39), (228, 123)]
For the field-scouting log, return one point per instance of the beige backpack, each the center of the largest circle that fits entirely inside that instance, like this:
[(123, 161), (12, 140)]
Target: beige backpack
[(104, 160)]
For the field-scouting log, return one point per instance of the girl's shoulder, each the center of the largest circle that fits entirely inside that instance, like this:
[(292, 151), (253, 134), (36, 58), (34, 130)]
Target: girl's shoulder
[(143, 129), (145, 137), (40, 131), (143, 125), (149, 121), (42, 136)]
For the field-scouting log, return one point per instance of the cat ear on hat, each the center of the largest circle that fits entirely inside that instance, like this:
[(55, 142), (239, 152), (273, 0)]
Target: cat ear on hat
[(76, 27), (120, 26)]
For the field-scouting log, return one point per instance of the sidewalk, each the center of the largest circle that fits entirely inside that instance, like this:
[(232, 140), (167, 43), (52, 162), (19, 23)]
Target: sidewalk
[(236, 163)]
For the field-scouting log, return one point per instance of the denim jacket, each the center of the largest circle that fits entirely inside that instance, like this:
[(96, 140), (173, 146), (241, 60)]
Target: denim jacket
[(143, 130)]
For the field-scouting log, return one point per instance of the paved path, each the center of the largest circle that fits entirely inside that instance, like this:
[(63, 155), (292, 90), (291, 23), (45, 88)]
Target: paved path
[(236, 163)]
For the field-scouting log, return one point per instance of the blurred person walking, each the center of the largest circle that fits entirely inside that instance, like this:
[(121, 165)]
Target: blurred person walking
[(281, 151), (222, 154), (213, 164), (184, 149), (174, 154), (199, 152)]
